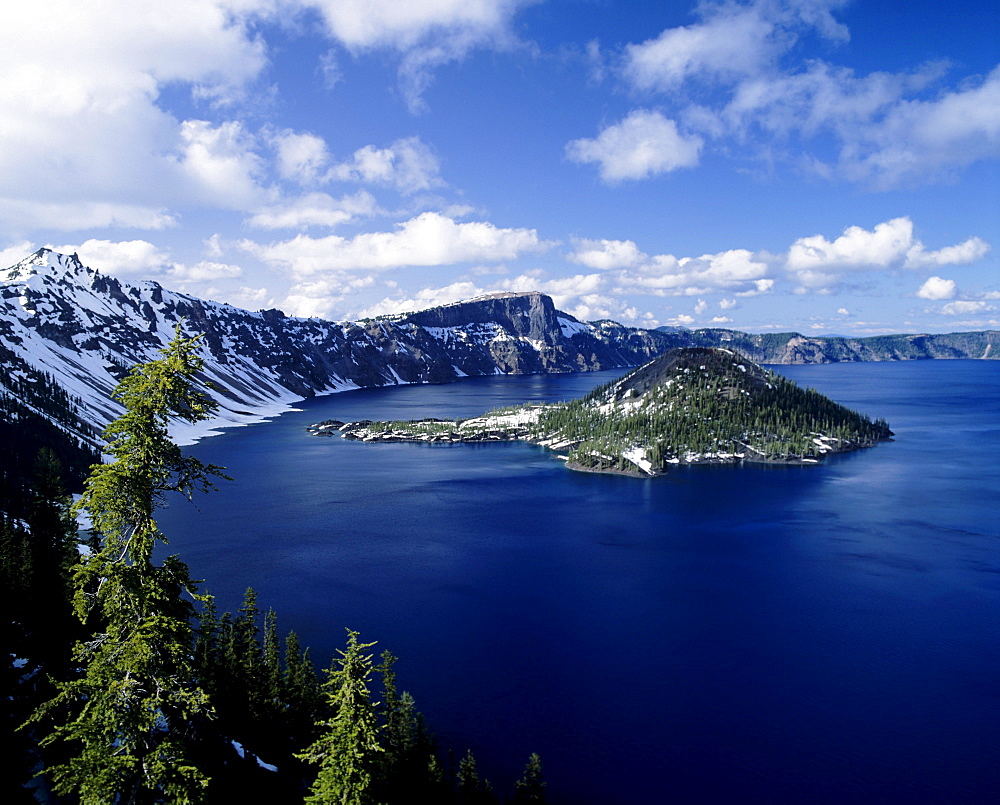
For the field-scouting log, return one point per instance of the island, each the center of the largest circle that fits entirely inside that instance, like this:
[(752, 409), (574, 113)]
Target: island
[(689, 405)]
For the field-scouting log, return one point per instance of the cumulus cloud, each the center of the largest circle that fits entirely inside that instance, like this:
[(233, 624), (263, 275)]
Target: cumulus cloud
[(644, 144), (203, 271), (936, 288), (430, 239), (816, 262), (315, 209), (15, 253), (409, 165), (249, 298), (964, 308), (423, 299), (886, 244), (729, 43), (606, 254), (964, 253), (221, 163), (734, 77), (89, 95), (425, 34), (736, 271), (122, 258), (318, 298), (140, 258), (301, 157)]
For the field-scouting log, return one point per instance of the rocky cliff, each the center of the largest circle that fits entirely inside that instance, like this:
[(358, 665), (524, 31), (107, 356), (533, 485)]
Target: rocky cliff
[(75, 331), (795, 348), (84, 329)]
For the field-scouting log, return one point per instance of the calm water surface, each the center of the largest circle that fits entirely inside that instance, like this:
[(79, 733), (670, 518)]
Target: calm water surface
[(746, 634)]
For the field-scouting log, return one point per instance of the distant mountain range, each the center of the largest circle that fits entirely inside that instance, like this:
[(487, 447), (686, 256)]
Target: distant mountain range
[(68, 333)]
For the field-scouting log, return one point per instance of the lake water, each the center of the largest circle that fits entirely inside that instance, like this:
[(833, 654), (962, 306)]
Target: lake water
[(820, 634)]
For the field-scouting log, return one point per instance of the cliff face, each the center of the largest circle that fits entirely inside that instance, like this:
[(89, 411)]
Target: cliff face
[(85, 330), (69, 324), (794, 348)]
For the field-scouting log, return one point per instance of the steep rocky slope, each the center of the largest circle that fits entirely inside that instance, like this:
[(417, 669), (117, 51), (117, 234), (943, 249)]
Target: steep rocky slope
[(84, 329), (795, 348)]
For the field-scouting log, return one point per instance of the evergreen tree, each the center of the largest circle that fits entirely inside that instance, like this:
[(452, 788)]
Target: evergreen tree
[(472, 790), (127, 723), (531, 787), (348, 751)]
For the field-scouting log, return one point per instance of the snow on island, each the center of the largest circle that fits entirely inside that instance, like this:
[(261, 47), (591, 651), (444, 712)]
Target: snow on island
[(687, 406)]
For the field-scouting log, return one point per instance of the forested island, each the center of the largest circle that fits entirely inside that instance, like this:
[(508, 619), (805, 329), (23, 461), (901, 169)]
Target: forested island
[(687, 406)]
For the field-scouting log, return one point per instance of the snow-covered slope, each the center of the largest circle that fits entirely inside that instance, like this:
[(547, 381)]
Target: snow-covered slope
[(85, 329)]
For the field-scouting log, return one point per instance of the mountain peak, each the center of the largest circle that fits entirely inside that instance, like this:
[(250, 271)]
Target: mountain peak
[(46, 262)]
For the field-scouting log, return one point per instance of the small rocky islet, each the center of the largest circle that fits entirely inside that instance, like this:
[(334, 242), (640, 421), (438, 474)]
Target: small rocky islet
[(687, 406)]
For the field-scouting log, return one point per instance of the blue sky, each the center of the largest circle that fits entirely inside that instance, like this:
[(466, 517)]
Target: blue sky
[(810, 165)]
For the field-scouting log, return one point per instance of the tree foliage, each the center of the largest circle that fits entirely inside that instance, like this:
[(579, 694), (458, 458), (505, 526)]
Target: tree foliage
[(128, 721), (161, 703), (349, 749)]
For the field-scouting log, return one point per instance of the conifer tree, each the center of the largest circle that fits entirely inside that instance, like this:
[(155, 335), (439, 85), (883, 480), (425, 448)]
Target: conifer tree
[(348, 750), (473, 790), (126, 724), (531, 787)]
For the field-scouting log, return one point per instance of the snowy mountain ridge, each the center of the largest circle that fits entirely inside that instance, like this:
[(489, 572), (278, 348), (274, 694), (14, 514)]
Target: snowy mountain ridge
[(85, 329)]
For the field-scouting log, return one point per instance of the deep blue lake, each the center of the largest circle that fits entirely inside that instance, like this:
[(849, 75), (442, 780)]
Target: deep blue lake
[(820, 634)]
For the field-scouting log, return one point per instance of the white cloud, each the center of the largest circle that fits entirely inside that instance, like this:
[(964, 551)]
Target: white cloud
[(720, 320), (426, 34), (726, 44), (20, 215), (80, 129), (128, 257), (249, 298), (302, 157), (409, 165), (221, 163), (921, 139), (318, 298), (843, 311), (886, 244), (736, 271), (15, 253), (423, 299), (606, 254), (701, 307), (644, 144), (936, 288), (315, 209), (430, 239), (964, 308), (140, 258), (735, 76), (728, 304), (816, 262), (969, 251), (204, 270)]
